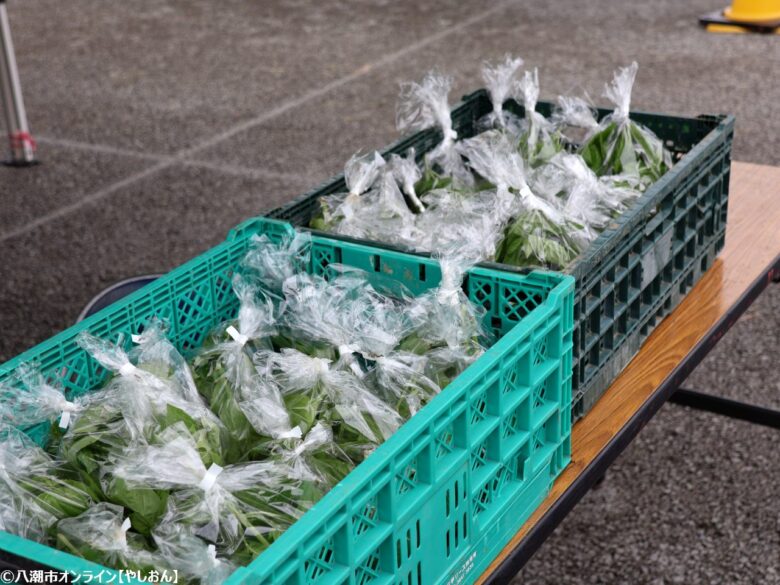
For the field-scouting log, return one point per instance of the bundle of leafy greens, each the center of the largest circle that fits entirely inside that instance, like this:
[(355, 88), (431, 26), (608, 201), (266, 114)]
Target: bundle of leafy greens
[(101, 534), (620, 146), (35, 490), (240, 508), (360, 173), (251, 409), (446, 323), (317, 391), (539, 141)]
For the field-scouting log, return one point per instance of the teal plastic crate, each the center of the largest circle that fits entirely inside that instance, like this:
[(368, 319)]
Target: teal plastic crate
[(639, 268), (437, 501)]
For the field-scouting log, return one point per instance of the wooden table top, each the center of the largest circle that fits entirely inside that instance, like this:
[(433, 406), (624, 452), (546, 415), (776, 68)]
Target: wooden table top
[(752, 244)]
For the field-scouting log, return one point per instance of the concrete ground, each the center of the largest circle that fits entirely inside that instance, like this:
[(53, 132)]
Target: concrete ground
[(162, 123)]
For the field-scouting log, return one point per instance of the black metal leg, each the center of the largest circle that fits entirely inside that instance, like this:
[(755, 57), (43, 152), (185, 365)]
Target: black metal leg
[(727, 407)]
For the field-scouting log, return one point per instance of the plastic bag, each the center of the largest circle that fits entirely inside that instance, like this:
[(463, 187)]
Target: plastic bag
[(444, 316), (30, 399), (399, 379), (467, 224), (539, 141), (360, 173), (141, 399), (240, 508), (574, 118), (591, 202), (317, 391), (345, 312), (534, 239), (500, 81), (425, 105), (383, 215), (102, 535), (269, 264), (316, 457), (407, 173), (251, 409), (194, 559), (620, 146), (491, 155), (36, 491)]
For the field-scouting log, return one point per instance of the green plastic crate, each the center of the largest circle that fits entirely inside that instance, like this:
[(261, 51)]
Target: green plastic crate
[(639, 268), (444, 494)]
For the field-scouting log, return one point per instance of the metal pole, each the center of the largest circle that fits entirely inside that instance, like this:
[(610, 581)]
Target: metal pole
[(21, 141)]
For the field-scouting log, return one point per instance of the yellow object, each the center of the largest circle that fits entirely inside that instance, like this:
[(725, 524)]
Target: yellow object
[(753, 10), (726, 28)]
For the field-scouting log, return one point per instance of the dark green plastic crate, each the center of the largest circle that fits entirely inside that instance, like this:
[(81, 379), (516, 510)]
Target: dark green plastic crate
[(445, 493), (639, 268)]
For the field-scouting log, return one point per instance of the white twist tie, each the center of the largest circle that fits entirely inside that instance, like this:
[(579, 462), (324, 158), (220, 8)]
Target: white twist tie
[(450, 136), (210, 477), (121, 534), (294, 433), (525, 192), (238, 337), (67, 409), (211, 550), (128, 369)]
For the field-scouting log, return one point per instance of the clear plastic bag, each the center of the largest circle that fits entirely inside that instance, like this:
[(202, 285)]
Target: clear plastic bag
[(574, 118), (591, 202), (345, 312), (269, 264), (425, 105), (620, 146), (538, 142), (251, 409), (407, 173), (29, 399), (194, 559), (501, 83), (316, 457), (102, 535), (318, 391), (399, 378), (240, 508), (152, 388), (360, 173), (494, 158), (444, 316), (383, 215), (35, 490)]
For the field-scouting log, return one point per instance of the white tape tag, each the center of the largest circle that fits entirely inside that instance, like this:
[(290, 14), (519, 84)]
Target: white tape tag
[(525, 192), (126, 525), (210, 477), (65, 419), (238, 337), (136, 338), (294, 433), (128, 369), (212, 552)]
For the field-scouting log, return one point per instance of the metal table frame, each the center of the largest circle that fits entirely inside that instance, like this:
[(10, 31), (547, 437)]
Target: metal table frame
[(669, 390)]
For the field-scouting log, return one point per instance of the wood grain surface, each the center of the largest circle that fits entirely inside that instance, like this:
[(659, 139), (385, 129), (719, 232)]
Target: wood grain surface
[(752, 244)]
